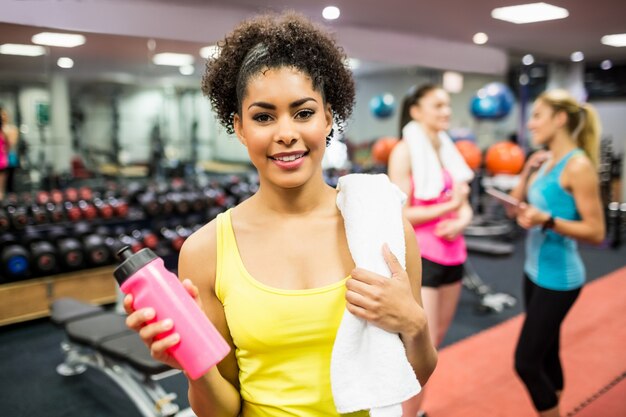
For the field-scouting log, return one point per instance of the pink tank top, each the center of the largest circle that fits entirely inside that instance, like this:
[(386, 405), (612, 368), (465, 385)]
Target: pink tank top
[(433, 248)]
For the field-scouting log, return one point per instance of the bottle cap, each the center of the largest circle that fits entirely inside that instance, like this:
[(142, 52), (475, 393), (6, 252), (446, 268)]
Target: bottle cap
[(132, 262)]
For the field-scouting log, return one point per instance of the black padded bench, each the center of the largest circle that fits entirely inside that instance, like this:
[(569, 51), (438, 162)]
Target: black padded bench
[(100, 339)]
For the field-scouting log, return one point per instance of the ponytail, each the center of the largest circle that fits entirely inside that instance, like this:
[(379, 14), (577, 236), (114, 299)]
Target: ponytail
[(588, 138)]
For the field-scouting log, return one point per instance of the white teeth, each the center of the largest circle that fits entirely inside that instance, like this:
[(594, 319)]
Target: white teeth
[(288, 158)]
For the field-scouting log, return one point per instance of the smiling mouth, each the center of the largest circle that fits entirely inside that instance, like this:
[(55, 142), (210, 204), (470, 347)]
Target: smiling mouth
[(288, 158)]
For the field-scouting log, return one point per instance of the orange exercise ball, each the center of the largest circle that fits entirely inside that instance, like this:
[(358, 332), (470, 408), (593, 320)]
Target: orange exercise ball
[(382, 149), (505, 158), (470, 152)]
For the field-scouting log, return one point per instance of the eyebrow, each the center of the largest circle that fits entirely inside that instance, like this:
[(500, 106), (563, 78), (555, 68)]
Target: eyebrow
[(270, 106)]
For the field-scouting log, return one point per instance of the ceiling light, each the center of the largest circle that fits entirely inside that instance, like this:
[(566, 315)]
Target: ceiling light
[(172, 59), (528, 59), (331, 12), (529, 13), (23, 50), (618, 40), (187, 70), (577, 56), (211, 51), (480, 38), (65, 62), (606, 64), (65, 40)]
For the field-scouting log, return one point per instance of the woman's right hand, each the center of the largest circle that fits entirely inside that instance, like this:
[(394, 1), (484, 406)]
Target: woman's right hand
[(139, 321), (536, 160), (460, 191)]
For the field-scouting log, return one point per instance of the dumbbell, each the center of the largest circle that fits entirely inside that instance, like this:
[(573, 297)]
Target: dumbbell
[(96, 250), (14, 258), (39, 214), (174, 240), (149, 202), (18, 216), (43, 254), (57, 197), (42, 197), (104, 208), (87, 210), (71, 194), (56, 213), (179, 201), (5, 223), (148, 238), (120, 206), (72, 211), (69, 249)]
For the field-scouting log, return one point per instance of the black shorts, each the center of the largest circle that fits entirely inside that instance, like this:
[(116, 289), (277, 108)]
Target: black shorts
[(435, 275)]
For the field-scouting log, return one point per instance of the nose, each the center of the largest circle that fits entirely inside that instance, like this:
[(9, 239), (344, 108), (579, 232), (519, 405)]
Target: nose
[(286, 132)]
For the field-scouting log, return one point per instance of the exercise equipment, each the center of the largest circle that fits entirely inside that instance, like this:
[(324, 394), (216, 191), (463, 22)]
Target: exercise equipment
[(383, 105), (489, 301), (504, 158), (43, 254), (382, 149), (14, 258), (471, 153), (492, 102), (69, 249), (100, 340)]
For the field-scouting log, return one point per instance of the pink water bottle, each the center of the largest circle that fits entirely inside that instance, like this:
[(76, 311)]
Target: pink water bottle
[(143, 275)]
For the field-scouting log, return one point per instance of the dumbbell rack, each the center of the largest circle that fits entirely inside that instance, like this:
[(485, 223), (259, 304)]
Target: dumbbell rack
[(28, 297)]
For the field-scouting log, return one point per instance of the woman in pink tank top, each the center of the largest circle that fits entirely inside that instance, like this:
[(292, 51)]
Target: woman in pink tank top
[(438, 222)]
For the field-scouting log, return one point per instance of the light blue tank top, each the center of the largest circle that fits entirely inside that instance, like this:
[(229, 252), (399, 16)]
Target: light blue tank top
[(552, 260)]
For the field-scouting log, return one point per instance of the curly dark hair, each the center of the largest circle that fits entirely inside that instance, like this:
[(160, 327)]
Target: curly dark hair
[(276, 41)]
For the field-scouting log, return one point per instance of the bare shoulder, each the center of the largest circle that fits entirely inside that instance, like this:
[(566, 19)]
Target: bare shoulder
[(400, 153), (580, 169), (198, 255)]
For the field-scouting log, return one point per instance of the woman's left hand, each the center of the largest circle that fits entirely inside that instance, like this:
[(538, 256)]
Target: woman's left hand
[(385, 302), (448, 229), (529, 216)]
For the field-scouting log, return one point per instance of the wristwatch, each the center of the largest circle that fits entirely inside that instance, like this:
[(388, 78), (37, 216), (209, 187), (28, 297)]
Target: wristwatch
[(548, 224)]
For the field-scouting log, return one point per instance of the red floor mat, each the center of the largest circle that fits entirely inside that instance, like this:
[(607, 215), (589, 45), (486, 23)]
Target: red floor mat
[(475, 377)]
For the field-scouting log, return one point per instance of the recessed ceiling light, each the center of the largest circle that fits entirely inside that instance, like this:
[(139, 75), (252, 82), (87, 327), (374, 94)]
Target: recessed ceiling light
[(65, 62), (21, 49), (64, 40), (606, 64), (577, 56), (172, 59), (529, 13), (528, 59), (480, 38), (331, 12), (187, 70), (618, 40), (210, 51)]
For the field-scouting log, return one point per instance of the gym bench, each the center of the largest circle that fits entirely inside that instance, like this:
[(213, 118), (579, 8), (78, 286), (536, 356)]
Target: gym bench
[(100, 339)]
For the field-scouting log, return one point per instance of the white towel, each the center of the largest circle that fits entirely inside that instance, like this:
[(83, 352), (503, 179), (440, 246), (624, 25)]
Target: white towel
[(427, 174), (369, 369)]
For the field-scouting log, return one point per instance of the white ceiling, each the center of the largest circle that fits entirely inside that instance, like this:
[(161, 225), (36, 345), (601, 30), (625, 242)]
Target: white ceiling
[(392, 32)]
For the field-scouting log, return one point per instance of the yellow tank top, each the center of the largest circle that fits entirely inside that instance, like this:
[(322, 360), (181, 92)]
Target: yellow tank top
[(283, 338)]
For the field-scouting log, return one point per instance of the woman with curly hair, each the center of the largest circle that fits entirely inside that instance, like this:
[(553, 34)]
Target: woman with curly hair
[(275, 274)]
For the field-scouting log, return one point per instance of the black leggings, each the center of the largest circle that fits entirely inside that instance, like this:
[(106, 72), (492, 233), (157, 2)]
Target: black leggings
[(537, 359)]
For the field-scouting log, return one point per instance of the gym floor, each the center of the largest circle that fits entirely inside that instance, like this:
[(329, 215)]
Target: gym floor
[(30, 352)]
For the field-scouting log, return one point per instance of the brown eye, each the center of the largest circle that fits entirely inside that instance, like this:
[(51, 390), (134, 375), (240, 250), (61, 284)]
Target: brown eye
[(305, 114)]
